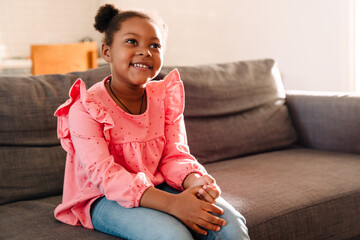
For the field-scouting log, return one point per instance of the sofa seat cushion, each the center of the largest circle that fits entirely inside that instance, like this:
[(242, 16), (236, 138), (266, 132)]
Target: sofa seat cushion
[(35, 220), (290, 194), (294, 194)]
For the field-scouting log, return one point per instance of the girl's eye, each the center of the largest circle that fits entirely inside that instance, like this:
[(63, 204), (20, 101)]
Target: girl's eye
[(131, 41), (155, 45)]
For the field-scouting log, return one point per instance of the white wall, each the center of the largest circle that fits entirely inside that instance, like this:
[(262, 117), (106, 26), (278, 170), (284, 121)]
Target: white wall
[(357, 45), (311, 39), (26, 22)]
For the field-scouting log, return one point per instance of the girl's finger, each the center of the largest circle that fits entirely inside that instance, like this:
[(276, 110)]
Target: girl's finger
[(206, 196), (199, 196), (213, 190), (208, 225), (198, 230), (210, 207), (213, 220)]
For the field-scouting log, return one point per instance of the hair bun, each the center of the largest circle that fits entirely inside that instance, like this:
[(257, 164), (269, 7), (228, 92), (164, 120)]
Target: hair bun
[(104, 16)]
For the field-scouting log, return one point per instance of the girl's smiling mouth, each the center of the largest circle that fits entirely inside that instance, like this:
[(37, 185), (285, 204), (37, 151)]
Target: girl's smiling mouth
[(141, 65)]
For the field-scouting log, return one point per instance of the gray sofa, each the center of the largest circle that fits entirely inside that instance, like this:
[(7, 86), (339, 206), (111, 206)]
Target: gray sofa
[(289, 162)]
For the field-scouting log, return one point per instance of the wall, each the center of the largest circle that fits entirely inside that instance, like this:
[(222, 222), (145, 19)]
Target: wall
[(26, 22), (311, 39)]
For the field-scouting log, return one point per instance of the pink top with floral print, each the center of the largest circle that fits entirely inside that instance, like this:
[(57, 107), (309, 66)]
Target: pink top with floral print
[(115, 154)]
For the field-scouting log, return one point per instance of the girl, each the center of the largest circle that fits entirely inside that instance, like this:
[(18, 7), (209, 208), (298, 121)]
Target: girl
[(129, 172)]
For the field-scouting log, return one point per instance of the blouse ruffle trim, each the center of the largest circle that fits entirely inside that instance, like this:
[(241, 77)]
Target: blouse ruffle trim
[(174, 105), (79, 92)]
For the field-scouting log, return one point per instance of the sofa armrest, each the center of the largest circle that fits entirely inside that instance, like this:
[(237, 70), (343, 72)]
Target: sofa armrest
[(326, 121)]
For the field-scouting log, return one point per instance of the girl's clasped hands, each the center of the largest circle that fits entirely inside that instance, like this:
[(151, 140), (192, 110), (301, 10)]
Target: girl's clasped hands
[(196, 205)]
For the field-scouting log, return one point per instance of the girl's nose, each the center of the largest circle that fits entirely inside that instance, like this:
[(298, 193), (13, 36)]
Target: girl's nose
[(144, 52)]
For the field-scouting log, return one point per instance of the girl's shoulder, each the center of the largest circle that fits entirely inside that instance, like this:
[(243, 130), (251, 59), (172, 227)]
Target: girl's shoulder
[(172, 77), (96, 91), (79, 93), (82, 100), (170, 83), (171, 87)]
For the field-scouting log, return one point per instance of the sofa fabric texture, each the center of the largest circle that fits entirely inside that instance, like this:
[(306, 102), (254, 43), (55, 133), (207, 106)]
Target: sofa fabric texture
[(32, 161), (328, 122), (302, 190), (29, 103), (247, 97), (290, 163)]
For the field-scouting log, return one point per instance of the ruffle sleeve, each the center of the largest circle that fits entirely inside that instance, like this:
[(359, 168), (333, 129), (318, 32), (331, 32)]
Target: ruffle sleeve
[(79, 92), (177, 162), (174, 103)]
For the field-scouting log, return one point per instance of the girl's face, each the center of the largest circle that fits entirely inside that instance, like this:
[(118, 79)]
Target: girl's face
[(136, 53)]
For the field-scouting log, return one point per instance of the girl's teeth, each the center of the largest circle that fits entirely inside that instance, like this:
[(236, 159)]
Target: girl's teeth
[(140, 65)]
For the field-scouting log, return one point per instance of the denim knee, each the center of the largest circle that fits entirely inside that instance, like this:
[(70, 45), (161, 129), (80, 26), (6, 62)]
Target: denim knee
[(235, 227), (175, 231)]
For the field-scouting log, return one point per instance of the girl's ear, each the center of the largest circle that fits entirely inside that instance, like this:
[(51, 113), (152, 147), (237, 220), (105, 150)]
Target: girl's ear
[(105, 52)]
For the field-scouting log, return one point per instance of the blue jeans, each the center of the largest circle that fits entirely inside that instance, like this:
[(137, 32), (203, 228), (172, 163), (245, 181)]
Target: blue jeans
[(145, 223)]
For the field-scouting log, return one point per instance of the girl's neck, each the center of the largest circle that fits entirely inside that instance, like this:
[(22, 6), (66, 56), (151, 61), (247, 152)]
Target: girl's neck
[(131, 99), (127, 91)]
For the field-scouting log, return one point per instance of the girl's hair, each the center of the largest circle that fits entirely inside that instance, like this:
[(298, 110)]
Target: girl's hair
[(108, 21)]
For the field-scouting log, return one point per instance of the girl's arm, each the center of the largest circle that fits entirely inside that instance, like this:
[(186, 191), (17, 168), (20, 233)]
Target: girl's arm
[(177, 162), (185, 206)]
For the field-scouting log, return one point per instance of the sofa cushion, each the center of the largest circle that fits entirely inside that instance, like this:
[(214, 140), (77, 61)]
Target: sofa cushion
[(291, 194), (328, 121), (35, 220), (294, 194), (30, 172), (28, 105), (234, 109)]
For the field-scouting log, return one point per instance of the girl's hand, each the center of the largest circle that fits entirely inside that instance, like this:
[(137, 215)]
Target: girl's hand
[(209, 192), (195, 213)]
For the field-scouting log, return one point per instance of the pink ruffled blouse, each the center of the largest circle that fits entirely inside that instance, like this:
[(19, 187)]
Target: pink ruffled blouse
[(115, 154)]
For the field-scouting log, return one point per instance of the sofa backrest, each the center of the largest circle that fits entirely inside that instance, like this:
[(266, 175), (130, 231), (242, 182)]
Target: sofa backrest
[(235, 109), (31, 159), (231, 110)]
